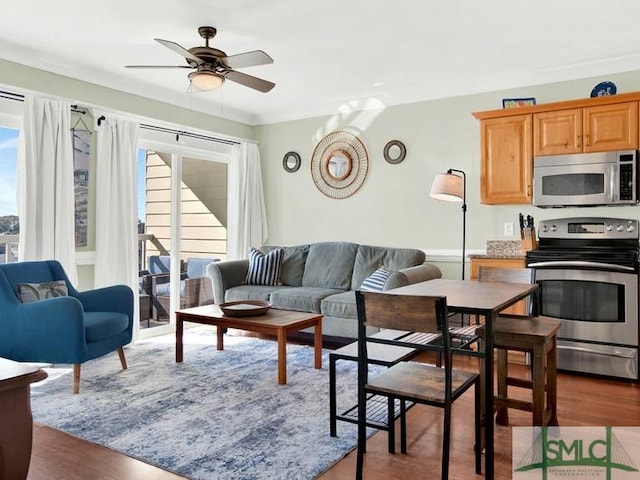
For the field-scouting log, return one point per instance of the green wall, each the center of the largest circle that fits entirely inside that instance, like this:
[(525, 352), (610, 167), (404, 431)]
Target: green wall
[(393, 207), (27, 78)]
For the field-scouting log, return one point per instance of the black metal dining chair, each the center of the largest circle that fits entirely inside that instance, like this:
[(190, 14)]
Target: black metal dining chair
[(409, 381)]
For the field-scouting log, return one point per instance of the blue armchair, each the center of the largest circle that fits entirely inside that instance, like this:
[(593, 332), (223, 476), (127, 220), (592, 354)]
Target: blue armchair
[(69, 329)]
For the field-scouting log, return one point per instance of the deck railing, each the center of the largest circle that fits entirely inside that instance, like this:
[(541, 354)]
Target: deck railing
[(9, 248)]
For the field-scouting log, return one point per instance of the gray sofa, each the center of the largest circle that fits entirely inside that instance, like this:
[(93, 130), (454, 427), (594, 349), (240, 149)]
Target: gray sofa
[(321, 278)]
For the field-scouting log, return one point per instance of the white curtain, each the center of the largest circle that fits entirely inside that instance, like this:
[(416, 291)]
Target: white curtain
[(116, 202), (46, 198), (247, 216)]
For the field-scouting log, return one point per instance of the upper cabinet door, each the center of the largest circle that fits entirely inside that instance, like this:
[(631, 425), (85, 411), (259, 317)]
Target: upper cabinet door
[(610, 127), (558, 132), (506, 170), (591, 129)]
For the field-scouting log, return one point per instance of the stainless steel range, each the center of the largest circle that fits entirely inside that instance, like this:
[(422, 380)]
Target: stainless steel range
[(587, 269)]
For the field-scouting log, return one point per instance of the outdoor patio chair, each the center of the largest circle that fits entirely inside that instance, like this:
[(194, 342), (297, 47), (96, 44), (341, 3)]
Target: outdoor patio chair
[(195, 285)]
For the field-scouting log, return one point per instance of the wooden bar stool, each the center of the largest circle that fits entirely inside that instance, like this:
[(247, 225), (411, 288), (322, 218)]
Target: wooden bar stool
[(536, 336)]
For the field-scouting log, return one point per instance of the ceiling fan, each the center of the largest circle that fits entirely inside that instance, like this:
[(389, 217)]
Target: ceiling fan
[(213, 66)]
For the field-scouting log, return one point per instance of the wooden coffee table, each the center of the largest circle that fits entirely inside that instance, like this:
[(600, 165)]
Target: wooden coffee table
[(274, 322)]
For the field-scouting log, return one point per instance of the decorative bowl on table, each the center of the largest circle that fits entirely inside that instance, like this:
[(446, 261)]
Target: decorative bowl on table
[(245, 308)]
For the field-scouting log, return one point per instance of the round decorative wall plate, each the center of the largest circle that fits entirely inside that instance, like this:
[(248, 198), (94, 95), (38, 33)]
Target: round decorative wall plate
[(291, 162), (394, 151), (603, 89), (339, 164)]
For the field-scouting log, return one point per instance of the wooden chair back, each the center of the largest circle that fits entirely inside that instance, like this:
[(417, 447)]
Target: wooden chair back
[(416, 315), (509, 275)]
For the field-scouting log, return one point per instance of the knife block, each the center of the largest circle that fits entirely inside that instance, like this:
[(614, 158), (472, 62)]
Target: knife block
[(528, 241)]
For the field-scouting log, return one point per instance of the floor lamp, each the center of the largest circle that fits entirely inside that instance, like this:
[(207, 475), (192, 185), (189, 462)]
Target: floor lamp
[(452, 187)]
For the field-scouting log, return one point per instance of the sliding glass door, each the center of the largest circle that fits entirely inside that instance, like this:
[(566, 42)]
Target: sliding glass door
[(182, 227)]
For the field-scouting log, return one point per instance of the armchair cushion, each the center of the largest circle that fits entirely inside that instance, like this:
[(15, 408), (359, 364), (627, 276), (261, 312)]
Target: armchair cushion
[(101, 325), (196, 266), (164, 289), (32, 292), (159, 264)]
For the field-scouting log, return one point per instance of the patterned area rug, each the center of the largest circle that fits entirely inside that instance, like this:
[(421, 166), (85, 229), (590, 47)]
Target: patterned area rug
[(217, 415)]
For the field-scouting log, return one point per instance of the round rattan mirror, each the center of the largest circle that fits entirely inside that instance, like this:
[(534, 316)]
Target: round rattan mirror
[(339, 164)]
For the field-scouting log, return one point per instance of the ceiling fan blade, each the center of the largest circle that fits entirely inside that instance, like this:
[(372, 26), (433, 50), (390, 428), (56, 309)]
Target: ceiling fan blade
[(248, 59), (179, 50), (158, 66), (249, 81)]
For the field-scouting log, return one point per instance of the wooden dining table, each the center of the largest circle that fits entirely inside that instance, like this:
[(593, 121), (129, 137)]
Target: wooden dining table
[(481, 298)]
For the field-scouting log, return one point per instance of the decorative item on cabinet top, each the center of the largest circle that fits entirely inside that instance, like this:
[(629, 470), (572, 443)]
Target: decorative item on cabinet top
[(518, 102), (394, 151), (603, 89), (339, 164), (291, 162)]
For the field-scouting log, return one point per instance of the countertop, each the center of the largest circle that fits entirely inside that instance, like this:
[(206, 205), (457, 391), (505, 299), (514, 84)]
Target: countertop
[(502, 249)]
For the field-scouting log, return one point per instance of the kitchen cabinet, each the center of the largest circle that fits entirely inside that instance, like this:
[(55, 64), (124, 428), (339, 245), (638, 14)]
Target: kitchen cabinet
[(510, 138), (581, 130), (506, 169)]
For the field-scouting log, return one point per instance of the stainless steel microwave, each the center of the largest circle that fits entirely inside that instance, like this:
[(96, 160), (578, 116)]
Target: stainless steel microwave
[(586, 179)]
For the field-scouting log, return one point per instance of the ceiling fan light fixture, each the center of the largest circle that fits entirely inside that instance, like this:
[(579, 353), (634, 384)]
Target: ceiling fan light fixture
[(205, 80)]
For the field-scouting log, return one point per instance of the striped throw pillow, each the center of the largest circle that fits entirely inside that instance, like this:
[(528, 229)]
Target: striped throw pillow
[(265, 269), (375, 282)]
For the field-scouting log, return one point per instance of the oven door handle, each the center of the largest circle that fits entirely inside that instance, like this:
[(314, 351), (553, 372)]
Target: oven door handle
[(579, 264), (597, 352)]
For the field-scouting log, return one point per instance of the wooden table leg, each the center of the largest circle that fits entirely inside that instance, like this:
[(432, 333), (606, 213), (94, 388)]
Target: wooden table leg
[(179, 334), (220, 337), (282, 356), (317, 343), (551, 379)]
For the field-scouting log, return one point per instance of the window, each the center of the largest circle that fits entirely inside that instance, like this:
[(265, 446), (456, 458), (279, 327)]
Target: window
[(81, 151), (9, 222)]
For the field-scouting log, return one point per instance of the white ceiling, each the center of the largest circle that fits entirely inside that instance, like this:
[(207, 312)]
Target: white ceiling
[(329, 55)]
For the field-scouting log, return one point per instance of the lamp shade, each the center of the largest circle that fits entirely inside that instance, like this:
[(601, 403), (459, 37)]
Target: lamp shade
[(205, 80), (448, 187)]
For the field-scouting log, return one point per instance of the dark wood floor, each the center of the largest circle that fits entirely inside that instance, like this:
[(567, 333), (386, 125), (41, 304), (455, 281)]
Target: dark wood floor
[(582, 401), (59, 456)]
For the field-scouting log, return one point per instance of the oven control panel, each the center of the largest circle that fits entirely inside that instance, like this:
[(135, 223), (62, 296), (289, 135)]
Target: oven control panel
[(589, 228)]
